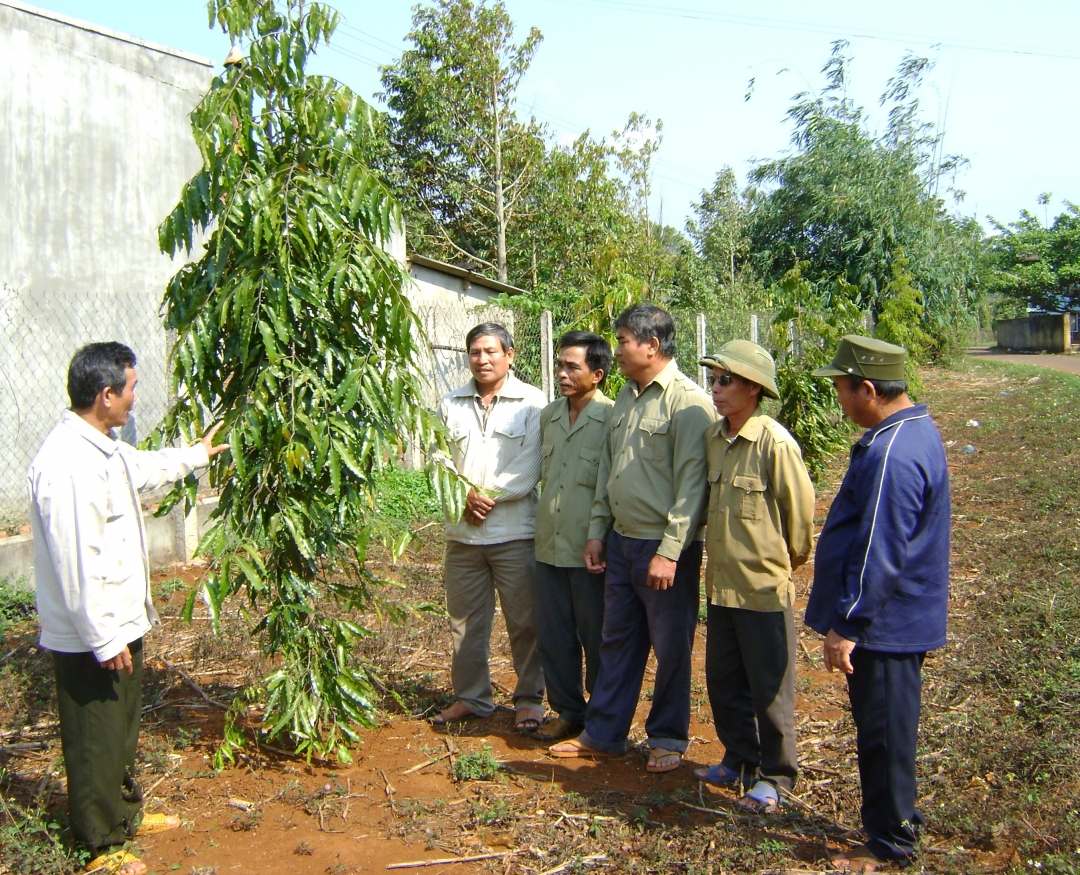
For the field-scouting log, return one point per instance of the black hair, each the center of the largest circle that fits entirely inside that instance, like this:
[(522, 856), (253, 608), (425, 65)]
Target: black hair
[(646, 321), (490, 329), (887, 390), (597, 350), (94, 367)]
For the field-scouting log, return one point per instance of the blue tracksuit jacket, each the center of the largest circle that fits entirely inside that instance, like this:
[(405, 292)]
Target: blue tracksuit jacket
[(881, 571)]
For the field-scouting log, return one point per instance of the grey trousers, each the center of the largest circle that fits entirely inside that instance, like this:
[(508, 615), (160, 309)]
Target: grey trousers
[(570, 622), (750, 674), (473, 574), (99, 732)]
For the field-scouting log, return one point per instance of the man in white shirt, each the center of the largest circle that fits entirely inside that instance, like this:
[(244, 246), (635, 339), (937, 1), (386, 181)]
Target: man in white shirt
[(93, 593), (494, 424)]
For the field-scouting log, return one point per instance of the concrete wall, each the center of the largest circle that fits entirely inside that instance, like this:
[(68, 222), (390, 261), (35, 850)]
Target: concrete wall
[(96, 147), (1036, 333)]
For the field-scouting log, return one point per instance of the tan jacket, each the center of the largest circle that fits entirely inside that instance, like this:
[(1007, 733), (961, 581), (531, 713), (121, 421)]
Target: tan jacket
[(652, 480), (571, 458), (761, 515)]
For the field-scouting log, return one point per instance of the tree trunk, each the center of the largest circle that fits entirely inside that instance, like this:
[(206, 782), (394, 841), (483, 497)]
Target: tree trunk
[(500, 215)]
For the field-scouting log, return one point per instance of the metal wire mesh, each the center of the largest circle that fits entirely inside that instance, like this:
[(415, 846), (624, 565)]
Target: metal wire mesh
[(40, 334)]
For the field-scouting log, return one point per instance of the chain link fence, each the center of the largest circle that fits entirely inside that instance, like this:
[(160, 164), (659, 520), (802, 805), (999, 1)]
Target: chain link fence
[(41, 331)]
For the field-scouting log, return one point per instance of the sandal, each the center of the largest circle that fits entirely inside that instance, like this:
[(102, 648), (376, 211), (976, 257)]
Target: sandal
[(117, 863), (718, 775), (556, 729), (456, 713), (859, 859), (663, 760), (576, 748), (528, 719), (764, 798), (152, 824)]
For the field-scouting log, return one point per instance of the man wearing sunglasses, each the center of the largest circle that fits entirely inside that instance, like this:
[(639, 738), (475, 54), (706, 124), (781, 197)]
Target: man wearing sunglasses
[(760, 528)]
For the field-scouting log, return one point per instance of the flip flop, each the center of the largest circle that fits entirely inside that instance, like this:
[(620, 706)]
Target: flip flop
[(574, 748), (764, 798), (718, 775), (860, 859), (115, 863), (528, 719), (152, 824), (441, 719), (663, 760)]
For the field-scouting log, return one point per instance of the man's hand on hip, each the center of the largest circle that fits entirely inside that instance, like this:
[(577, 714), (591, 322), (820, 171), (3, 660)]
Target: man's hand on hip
[(837, 650), (594, 549), (120, 662), (661, 572)]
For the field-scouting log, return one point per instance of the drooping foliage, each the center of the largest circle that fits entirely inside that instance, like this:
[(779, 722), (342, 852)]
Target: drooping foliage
[(293, 328), (1038, 265)]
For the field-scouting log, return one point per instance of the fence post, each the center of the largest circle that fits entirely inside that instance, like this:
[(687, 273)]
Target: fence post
[(754, 328), (703, 372), (547, 356)]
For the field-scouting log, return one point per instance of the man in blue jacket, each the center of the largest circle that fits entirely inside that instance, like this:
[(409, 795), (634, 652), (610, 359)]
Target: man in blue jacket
[(881, 586)]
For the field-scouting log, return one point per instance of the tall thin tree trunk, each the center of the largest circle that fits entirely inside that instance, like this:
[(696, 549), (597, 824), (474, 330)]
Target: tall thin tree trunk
[(500, 217)]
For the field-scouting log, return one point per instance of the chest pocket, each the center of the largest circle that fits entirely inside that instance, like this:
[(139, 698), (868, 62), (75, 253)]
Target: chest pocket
[(655, 439), (546, 459), (752, 506), (588, 463), (714, 489), (513, 430)]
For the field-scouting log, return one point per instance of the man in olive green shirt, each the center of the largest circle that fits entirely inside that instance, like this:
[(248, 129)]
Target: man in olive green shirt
[(760, 527), (650, 488), (570, 598)]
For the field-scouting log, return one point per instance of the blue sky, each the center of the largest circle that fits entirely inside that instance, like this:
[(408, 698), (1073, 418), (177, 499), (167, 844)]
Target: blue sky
[(1004, 88)]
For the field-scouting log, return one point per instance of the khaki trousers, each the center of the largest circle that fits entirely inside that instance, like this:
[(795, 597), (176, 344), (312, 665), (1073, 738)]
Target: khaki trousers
[(473, 574)]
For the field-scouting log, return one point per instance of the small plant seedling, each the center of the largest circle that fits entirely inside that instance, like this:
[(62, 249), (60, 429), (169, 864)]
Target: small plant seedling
[(478, 765)]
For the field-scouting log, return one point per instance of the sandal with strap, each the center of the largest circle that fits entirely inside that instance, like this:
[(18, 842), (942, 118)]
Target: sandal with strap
[(663, 760), (117, 863), (718, 775), (763, 798)]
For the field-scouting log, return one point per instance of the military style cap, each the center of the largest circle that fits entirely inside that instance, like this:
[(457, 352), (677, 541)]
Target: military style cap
[(747, 360), (867, 358)]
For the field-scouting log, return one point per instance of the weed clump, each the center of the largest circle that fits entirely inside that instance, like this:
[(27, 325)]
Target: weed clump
[(479, 765)]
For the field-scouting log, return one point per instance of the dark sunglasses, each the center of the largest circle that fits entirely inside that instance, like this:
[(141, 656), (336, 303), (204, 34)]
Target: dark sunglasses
[(722, 379)]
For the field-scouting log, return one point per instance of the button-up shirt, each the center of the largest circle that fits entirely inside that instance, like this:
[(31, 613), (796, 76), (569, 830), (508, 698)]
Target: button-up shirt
[(497, 450), (571, 459), (90, 562), (652, 480), (761, 515)]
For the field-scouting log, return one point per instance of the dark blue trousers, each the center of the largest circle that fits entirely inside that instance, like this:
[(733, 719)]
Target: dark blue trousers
[(885, 691), (635, 619)]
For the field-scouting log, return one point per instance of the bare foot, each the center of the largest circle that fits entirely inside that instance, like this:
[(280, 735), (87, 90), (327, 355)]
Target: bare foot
[(454, 714), (859, 859)]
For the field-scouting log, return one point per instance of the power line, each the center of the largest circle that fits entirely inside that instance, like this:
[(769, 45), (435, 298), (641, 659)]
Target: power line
[(812, 27)]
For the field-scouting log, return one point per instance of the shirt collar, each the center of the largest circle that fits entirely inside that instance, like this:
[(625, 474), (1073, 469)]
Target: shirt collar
[(84, 429), (751, 429), (513, 389), (917, 411)]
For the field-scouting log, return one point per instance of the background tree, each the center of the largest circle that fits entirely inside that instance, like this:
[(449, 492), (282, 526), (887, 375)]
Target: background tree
[(1038, 265), (467, 160), (293, 327), (846, 202)]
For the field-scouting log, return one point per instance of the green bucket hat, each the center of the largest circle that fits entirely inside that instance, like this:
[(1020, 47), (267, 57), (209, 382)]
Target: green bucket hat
[(747, 360), (867, 358)]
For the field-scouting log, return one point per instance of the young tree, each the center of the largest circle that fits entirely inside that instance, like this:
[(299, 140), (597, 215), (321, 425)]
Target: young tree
[(1036, 264), (292, 326), (467, 160), (719, 229)]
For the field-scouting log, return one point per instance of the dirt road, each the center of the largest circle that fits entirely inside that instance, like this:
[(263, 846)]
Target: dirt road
[(1070, 364)]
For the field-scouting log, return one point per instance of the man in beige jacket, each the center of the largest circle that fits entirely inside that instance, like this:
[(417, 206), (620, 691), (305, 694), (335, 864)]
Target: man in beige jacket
[(760, 528)]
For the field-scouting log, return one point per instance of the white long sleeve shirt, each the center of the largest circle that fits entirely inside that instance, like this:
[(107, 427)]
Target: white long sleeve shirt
[(90, 559), (501, 455)]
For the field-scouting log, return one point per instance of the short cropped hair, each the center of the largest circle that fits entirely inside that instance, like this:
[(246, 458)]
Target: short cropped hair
[(646, 321), (490, 329), (597, 350), (885, 389), (94, 367)]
